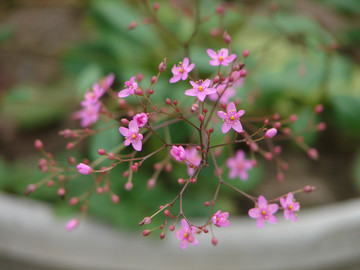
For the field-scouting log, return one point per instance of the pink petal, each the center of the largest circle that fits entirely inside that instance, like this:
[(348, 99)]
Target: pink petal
[(232, 57), (290, 197), (195, 242), (231, 107), (184, 243), (201, 96), (176, 78), (127, 142), (210, 91), (243, 175), (240, 113), (221, 114), (293, 217), (237, 126), (137, 144), (283, 203), (273, 208), (214, 62), (262, 202), (225, 127), (190, 68), (272, 219), (191, 92), (194, 85), (124, 93), (254, 212), (259, 223), (124, 131), (133, 126), (223, 52), (184, 224), (211, 53), (186, 62)]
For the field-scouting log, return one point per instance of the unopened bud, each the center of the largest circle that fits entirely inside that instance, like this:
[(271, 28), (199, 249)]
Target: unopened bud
[(293, 118), (168, 101), (101, 152), (245, 53), (38, 144), (151, 183), (321, 126), (129, 186), (319, 108), (171, 228), (243, 73), (30, 189), (201, 117), (146, 232), (132, 25), (61, 192), (227, 37), (194, 107), (156, 6), (162, 66), (313, 153), (73, 201), (146, 220), (162, 235), (270, 133), (69, 146), (181, 181), (214, 241), (309, 189), (115, 198), (72, 224)]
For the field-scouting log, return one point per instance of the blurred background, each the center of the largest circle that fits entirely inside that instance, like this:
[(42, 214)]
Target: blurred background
[(302, 53)]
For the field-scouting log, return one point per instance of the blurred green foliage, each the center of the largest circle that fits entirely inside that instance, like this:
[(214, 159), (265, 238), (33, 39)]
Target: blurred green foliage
[(292, 67)]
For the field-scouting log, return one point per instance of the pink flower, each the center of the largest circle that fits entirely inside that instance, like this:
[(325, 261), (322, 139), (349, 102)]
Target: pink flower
[(231, 118), (178, 153), (141, 119), (106, 82), (181, 71), (185, 235), (200, 89), (131, 86), (72, 224), (264, 212), (220, 58), (220, 219), (132, 135), (89, 114), (270, 133), (192, 159), (239, 166), (227, 89), (290, 207), (84, 169)]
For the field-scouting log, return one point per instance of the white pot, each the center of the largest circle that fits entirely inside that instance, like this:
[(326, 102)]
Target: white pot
[(326, 237)]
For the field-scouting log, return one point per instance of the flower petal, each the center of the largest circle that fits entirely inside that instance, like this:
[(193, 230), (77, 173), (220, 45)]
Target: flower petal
[(231, 107), (124, 131), (237, 126), (254, 212), (225, 127), (211, 53), (137, 144)]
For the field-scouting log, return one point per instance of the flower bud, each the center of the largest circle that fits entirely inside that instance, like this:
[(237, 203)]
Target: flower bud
[(72, 224), (73, 201), (319, 108), (162, 66), (38, 144), (313, 153), (227, 37), (84, 169), (214, 241), (146, 220), (30, 189), (132, 25), (245, 53), (146, 232), (171, 228), (115, 198), (162, 235), (156, 6), (101, 152), (129, 186), (270, 133)]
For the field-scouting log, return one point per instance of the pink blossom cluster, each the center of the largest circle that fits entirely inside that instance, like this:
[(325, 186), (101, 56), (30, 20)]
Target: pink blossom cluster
[(265, 212), (89, 114)]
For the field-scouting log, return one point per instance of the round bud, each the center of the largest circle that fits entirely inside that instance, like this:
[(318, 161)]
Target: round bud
[(146, 232), (153, 79), (245, 53), (73, 201), (129, 186), (171, 228), (132, 25), (38, 144), (115, 198), (162, 235), (214, 241), (101, 152)]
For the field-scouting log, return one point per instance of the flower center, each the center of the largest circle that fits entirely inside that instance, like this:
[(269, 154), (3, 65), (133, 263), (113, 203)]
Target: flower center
[(201, 88), (232, 117), (186, 235), (263, 212), (290, 207), (133, 136), (221, 58), (181, 70)]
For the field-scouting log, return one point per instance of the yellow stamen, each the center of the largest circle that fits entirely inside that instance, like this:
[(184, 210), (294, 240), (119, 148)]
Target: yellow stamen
[(181, 70), (134, 136), (186, 235), (232, 117), (263, 212), (290, 207), (221, 58), (201, 88)]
